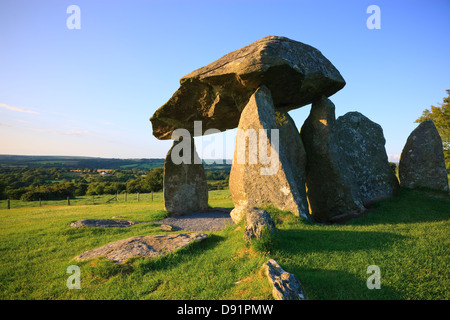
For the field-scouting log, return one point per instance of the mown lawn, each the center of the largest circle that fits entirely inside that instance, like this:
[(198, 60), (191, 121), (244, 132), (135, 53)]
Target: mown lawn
[(406, 237)]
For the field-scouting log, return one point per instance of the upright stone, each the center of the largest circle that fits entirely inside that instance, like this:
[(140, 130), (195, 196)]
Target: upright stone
[(422, 162), (292, 147), (361, 145), (332, 192), (185, 186), (261, 173)]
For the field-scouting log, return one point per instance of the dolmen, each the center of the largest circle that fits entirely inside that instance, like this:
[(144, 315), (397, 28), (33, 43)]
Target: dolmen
[(330, 169)]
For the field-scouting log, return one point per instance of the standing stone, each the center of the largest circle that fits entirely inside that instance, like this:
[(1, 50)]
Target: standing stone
[(238, 213), (332, 191), (361, 145), (261, 173), (292, 146), (422, 162), (185, 186)]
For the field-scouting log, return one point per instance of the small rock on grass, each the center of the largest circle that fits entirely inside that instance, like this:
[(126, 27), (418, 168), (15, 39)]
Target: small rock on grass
[(257, 220), (285, 285)]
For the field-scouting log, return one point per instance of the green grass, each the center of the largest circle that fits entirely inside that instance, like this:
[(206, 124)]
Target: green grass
[(86, 200), (220, 198), (407, 237)]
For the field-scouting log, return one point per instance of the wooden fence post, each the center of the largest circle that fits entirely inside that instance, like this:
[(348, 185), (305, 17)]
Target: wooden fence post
[(68, 201), (152, 195), (9, 204), (125, 197), (40, 204), (138, 196)]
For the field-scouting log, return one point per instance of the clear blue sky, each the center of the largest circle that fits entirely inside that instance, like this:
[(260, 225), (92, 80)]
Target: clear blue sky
[(90, 92)]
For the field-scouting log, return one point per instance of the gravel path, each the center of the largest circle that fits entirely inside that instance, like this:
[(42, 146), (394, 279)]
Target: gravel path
[(200, 221)]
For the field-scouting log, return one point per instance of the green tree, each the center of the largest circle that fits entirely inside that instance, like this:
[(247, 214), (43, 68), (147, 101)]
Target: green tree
[(154, 179), (81, 189), (134, 186), (441, 119)]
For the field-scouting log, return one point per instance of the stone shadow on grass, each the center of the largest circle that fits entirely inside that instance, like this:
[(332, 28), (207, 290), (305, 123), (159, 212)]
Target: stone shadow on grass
[(409, 206), (321, 284), (297, 242), (328, 284)]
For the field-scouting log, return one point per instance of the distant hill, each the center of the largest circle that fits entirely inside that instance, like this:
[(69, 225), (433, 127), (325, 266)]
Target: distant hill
[(73, 162)]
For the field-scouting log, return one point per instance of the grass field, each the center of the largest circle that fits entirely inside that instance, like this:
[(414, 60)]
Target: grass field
[(85, 200), (407, 237)]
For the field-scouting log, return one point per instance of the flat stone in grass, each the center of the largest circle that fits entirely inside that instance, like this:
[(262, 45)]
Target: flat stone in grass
[(142, 246), (104, 223), (215, 219)]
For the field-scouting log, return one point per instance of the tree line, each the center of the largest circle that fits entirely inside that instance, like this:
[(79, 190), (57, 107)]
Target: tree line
[(32, 184), (77, 162), (56, 183)]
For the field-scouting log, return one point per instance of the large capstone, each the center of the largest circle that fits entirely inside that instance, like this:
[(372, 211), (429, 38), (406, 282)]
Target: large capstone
[(361, 146), (185, 186), (261, 173), (422, 162), (295, 73)]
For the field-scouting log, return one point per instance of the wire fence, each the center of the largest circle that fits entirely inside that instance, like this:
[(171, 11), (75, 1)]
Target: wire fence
[(84, 200)]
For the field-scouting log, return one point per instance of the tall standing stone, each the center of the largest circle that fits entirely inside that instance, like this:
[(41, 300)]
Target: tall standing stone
[(422, 162), (331, 191), (361, 145), (261, 173), (185, 186), (294, 150)]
